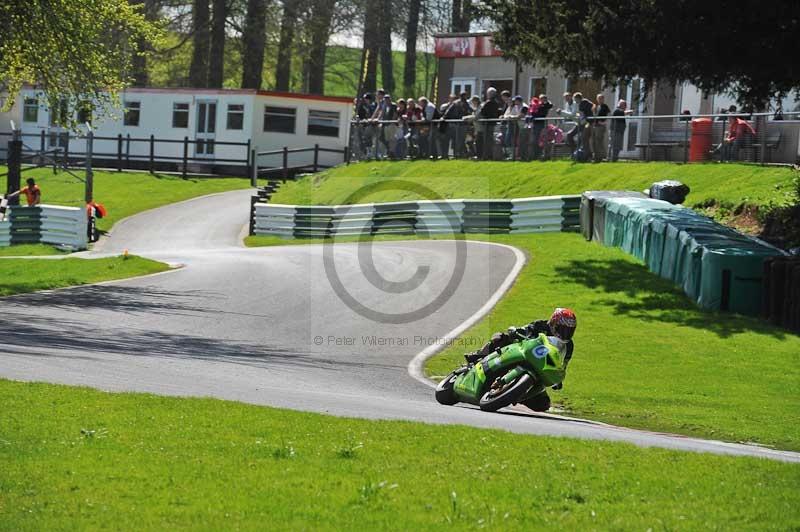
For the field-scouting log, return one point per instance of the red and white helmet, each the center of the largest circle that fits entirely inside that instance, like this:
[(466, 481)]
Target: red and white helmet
[(563, 323)]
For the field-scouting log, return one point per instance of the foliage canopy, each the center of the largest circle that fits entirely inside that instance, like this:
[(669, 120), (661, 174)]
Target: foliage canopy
[(747, 48), (74, 51)]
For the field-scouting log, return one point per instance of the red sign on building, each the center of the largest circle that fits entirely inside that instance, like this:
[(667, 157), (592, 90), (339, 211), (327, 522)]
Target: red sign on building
[(471, 46)]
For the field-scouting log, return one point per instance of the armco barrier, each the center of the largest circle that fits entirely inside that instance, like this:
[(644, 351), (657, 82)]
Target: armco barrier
[(49, 224), (526, 215), (719, 268), (5, 233)]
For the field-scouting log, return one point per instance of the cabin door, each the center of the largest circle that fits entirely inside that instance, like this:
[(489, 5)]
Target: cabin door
[(206, 129)]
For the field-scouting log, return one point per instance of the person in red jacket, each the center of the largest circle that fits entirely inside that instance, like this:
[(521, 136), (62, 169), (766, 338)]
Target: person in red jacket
[(740, 132)]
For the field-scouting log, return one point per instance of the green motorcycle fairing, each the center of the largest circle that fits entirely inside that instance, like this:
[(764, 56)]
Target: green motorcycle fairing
[(538, 357)]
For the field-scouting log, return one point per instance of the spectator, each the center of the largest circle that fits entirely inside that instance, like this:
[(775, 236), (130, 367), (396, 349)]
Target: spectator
[(452, 110), (599, 128), (389, 125), (401, 134), (512, 115), (426, 136), (569, 112), (582, 113), (413, 115), (505, 101), (474, 127), (617, 133), (538, 115), (490, 110), (739, 133)]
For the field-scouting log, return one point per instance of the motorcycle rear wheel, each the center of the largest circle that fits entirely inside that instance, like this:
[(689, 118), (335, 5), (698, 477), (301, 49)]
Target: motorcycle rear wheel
[(492, 401), (445, 394)]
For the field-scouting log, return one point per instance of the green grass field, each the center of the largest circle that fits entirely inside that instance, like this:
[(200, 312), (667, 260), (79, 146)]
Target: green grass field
[(75, 458), (729, 184), (28, 275), (124, 193)]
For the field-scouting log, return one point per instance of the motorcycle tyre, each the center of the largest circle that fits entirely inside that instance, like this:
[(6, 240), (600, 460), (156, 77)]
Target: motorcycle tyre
[(512, 395), (445, 393)]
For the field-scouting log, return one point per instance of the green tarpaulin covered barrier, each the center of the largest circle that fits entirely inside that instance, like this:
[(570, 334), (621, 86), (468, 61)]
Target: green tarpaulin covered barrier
[(718, 267)]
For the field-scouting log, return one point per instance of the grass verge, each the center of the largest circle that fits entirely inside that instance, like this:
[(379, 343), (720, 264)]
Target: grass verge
[(646, 357), (76, 458), (31, 250), (19, 276), (125, 193), (728, 184)]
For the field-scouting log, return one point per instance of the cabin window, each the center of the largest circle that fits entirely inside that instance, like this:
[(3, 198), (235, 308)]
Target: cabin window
[(132, 110), (279, 119), (85, 112), (30, 110), (323, 123), (180, 115), (58, 114), (235, 116)]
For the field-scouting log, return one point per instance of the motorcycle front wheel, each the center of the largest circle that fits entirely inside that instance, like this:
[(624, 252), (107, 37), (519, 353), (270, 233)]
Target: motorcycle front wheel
[(511, 393)]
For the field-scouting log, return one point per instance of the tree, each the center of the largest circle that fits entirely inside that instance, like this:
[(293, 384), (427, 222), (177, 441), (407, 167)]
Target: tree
[(198, 70), (254, 37), (461, 16), (320, 29), (283, 67), (140, 74), (746, 51), (412, 30), (369, 58), (71, 50), (216, 61), (385, 36)]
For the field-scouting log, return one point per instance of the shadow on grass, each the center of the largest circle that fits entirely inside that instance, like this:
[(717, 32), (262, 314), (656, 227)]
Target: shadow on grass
[(653, 299)]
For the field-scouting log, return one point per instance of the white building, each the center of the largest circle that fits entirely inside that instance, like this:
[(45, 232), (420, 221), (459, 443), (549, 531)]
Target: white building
[(214, 128)]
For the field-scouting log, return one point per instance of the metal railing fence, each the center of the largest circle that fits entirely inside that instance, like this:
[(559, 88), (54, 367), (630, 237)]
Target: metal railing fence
[(754, 137)]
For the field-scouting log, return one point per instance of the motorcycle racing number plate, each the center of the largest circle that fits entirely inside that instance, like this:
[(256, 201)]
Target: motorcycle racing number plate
[(540, 351)]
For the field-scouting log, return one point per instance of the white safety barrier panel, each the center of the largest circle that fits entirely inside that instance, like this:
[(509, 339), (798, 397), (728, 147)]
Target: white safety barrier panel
[(48, 224), (526, 215), (5, 233)]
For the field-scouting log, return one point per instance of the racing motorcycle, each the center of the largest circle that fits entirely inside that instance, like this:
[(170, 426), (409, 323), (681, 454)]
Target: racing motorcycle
[(513, 374)]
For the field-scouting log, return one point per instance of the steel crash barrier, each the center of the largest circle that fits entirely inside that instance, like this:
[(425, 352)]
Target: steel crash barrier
[(525, 215), (47, 224), (716, 266)]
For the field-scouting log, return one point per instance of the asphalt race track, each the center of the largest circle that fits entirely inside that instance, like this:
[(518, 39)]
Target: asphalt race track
[(265, 326)]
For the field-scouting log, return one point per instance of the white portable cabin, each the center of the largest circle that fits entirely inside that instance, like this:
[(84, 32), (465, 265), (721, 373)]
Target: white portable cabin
[(200, 122)]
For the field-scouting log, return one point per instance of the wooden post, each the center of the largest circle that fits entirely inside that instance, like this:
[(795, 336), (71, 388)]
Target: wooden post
[(14, 162), (66, 149), (316, 157), (128, 150), (285, 162), (119, 152), (346, 155), (89, 181), (185, 156), (247, 154), (152, 153), (253, 169), (42, 146)]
